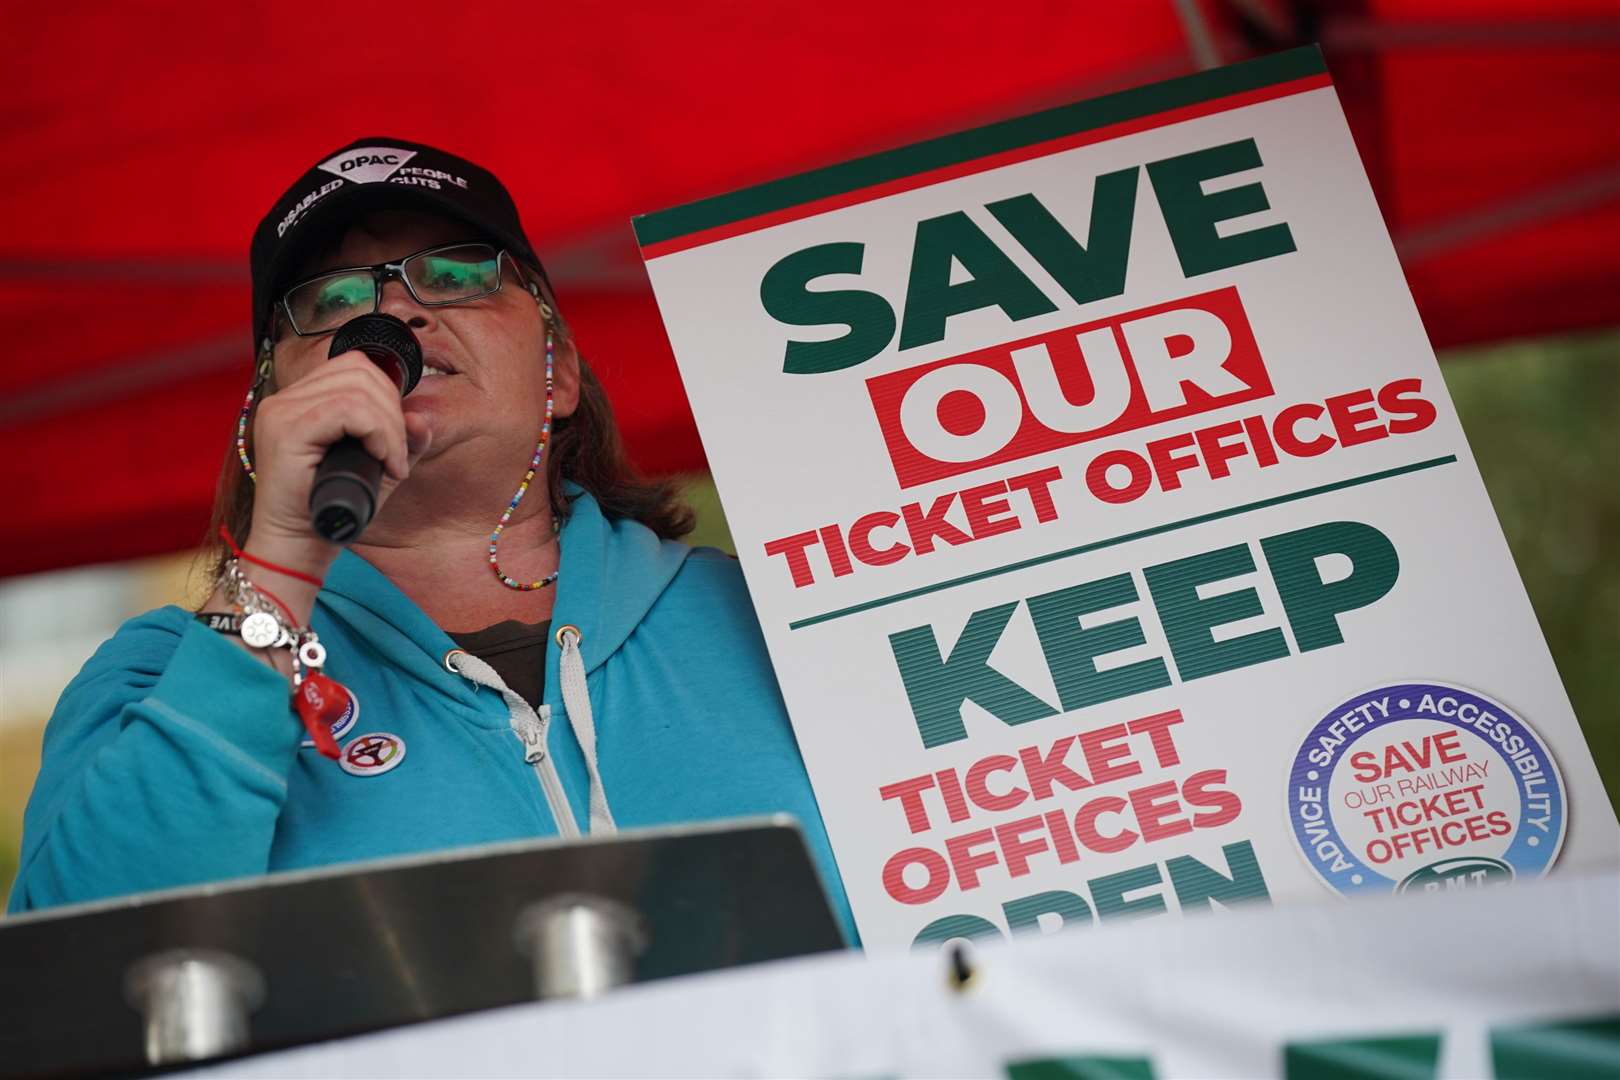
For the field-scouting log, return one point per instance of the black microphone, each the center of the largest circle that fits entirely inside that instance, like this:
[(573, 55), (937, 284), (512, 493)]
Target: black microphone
[(345, 493)]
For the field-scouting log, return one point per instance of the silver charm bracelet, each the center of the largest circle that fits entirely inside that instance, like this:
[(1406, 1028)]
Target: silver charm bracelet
[(264, 625)]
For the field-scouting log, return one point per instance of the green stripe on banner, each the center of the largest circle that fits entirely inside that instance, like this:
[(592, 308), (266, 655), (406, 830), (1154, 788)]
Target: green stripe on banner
[(1115, 541), (1585, 1048), (981, 142), (1409, 1057), (1081, 1068)]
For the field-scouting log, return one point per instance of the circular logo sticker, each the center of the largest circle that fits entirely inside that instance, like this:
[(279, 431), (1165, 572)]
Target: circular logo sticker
[(346, 720), (1424, 787), (373, 754)]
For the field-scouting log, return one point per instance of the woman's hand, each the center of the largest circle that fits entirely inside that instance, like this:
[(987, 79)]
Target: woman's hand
[(345, 396)]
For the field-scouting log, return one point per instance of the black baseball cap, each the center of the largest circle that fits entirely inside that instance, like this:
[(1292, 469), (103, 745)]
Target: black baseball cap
[(376, 174)]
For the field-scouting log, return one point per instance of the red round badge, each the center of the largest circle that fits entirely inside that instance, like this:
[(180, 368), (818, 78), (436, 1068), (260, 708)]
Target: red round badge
[(346, 719)]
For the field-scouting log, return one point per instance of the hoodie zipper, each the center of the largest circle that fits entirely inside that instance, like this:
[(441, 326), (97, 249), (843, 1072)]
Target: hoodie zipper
[(531, 728)]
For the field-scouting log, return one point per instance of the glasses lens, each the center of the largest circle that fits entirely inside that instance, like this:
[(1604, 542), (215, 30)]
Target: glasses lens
[(328, 302), (454, 273)]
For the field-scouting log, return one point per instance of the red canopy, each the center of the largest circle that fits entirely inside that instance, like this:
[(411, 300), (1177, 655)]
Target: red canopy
[(142, 143)]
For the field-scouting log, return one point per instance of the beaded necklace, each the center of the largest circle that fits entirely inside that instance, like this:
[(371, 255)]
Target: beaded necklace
[(247, 410), (511, 507), (523, 488)]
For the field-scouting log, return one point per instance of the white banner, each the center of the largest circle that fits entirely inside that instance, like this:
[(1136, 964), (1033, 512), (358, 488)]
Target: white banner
[(1115, 540), (1516, 984)]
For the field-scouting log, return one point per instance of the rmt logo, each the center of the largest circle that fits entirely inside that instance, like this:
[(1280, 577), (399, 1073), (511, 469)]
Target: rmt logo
[(1068, 386)]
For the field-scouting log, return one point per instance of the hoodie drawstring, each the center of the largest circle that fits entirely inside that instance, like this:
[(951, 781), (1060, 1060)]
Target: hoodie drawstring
[(577, 704), (530, 728)]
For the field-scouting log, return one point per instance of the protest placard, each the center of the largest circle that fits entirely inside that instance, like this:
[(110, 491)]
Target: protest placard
[(1113, 535)]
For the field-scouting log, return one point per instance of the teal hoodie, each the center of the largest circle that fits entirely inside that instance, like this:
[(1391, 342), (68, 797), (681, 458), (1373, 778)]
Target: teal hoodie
[(173, 757)]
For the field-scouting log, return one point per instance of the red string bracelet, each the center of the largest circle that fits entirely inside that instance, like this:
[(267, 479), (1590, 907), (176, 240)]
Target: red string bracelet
[(225, 535), (278, 601)]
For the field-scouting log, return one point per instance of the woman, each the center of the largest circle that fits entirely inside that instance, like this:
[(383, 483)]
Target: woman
[(175, 758)]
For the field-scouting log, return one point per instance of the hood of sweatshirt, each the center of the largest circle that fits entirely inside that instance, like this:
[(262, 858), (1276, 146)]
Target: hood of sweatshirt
[(611, 575)]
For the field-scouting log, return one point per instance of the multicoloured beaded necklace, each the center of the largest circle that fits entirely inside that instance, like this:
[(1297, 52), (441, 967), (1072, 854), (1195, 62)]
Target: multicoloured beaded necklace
[(511, 507), (247, 411), (523, 488)]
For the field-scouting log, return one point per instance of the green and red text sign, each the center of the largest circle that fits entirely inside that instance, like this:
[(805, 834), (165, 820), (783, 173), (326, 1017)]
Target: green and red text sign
[(1113, 535)]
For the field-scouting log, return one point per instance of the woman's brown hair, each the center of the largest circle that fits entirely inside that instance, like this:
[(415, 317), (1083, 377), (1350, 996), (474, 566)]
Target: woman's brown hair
[(585, 448)]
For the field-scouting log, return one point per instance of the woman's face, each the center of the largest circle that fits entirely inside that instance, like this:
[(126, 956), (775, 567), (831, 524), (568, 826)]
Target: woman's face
[(483, 385)]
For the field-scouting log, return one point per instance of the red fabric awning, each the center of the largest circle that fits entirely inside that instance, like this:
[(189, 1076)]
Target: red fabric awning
[(142, 144)]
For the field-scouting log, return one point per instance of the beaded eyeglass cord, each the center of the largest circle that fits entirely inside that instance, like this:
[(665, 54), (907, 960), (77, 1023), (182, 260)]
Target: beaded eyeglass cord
[(523, 489), (511, 507)]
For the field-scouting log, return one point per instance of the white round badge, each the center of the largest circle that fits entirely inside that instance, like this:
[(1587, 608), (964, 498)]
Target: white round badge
[(373, 754), (260, 630)]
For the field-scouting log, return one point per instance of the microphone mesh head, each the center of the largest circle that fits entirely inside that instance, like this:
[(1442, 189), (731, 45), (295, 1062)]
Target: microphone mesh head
[(389, 343)]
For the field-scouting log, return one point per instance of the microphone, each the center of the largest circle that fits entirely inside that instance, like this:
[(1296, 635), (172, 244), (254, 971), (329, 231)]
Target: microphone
[(345, 492)]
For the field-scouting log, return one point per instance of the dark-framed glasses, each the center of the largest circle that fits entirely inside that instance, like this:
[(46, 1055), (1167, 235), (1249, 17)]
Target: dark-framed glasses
[(449, 274)]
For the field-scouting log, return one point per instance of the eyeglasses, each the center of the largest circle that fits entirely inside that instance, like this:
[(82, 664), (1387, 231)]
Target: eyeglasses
[(452, 274)]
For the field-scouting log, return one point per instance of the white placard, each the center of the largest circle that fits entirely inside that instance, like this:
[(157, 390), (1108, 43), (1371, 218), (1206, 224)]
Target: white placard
[(1113, 535)]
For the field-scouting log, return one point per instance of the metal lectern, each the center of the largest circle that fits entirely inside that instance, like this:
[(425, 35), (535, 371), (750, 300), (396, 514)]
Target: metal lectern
[(265, 963)]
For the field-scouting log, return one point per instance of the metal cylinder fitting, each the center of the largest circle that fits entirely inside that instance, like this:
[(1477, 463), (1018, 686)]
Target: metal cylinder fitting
[(195, 1003), (581, 946)]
